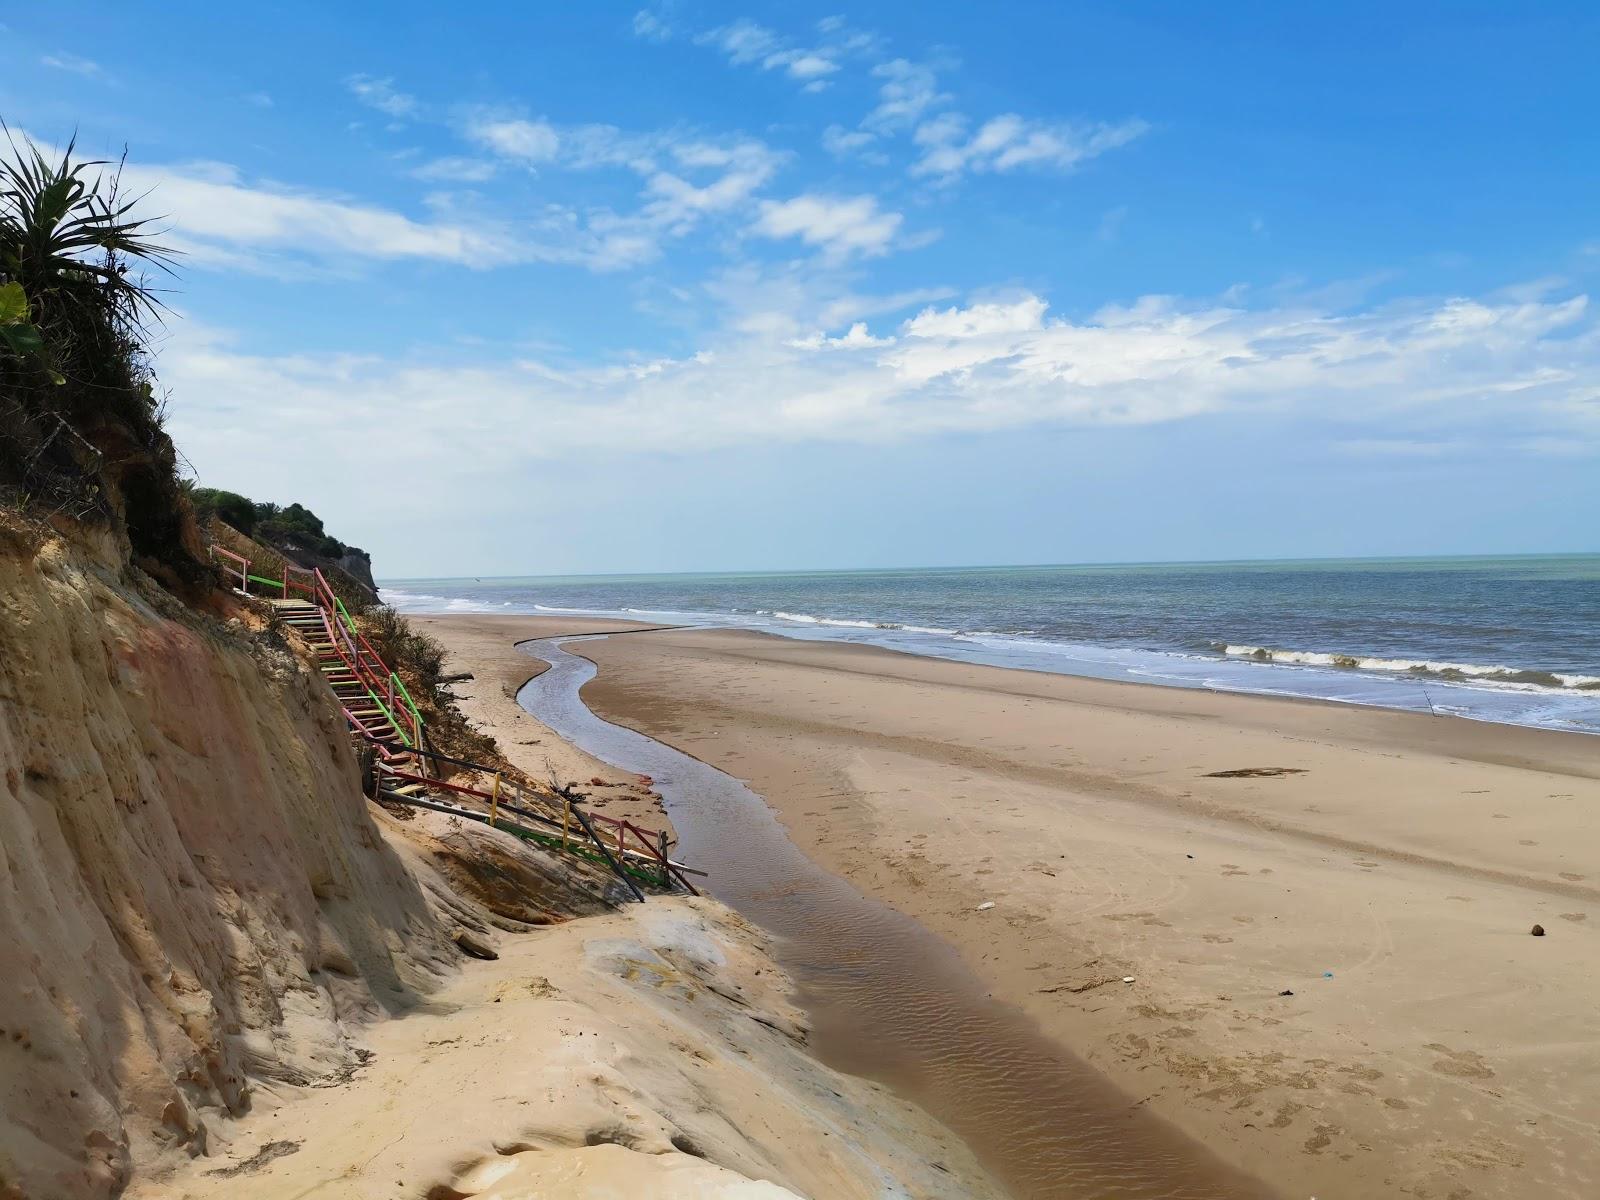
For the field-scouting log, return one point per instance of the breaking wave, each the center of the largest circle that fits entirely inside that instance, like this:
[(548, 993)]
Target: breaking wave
[(1447, 671), (846, 623)]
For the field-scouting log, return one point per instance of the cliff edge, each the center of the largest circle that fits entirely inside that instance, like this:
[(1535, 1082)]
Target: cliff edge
[(196, 897)]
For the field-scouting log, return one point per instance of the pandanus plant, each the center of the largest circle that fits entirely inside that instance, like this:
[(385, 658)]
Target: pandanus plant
[(67, 240), (80, 421)]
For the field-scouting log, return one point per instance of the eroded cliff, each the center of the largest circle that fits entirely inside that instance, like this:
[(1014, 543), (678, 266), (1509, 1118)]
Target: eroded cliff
[(194, 897), (199, 909)]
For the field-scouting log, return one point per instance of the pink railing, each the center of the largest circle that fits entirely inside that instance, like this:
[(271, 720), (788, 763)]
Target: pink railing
[(243, 566)]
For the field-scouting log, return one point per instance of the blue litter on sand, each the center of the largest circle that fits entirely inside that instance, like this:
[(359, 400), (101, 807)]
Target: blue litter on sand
[(1327, 974)]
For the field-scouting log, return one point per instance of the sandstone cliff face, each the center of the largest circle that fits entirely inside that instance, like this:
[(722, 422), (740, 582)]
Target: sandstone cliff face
[(194, 896)]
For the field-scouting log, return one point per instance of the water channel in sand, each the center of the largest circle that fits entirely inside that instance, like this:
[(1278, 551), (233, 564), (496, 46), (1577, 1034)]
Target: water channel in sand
[(890, 1001)]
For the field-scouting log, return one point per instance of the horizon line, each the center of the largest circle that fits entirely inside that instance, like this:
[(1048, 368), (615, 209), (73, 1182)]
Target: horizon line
[(1176, 562)]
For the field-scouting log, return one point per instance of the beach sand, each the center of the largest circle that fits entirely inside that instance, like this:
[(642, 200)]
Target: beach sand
[(483, 646), (1385, 868), (609, 1056)]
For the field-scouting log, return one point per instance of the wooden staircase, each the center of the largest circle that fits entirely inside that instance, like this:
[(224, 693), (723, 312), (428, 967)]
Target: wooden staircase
[(405, 768), (367, 713)]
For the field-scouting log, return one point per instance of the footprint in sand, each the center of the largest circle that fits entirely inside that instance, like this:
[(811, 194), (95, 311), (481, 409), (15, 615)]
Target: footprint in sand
[(1573, 876), (1526, 842), (1284, 1117), (1216, 939), (1467, 1064), (1144, 918), (1321, 1139), (1574, 916)]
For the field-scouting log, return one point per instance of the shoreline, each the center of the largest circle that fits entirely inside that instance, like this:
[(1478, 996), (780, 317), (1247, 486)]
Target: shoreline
[(891, 1001), (1392, 680), (1371, 857), (485, 647), (1407, 851)]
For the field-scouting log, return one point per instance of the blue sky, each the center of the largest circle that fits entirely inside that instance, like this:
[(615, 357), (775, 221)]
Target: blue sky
[(509, 289)]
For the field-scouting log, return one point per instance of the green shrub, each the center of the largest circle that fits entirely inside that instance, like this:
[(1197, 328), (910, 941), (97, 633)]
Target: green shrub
[(411, 653), (233, 508)]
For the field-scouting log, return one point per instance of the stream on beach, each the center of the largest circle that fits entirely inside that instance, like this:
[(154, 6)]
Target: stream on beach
[(890, 1001)]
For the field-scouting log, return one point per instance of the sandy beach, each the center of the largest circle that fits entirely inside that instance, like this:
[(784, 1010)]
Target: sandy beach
[(1326, 910), (483, 647)]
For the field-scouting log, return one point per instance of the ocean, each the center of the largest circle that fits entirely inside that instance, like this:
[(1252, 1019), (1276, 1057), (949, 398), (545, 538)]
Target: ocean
[(1513, 640)]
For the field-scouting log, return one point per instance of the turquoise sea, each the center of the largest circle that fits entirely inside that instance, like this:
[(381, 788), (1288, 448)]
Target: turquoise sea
[(1514, 639)]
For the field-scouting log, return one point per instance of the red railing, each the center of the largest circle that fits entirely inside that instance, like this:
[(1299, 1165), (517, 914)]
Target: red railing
[(365, 664), (383, 685), (628, 848), (299, 579)]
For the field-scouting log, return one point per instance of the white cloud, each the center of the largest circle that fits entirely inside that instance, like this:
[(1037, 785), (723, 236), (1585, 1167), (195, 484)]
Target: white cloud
[(805, 65), (978, 320), (75, 63), (259, 99), (685, 179), (452, 169), (380, 94), (221, 221), (838, 225), (1414, 378), (854, 338), (846, 143), (908, 91), (651, 26), (515, 138), (1008, 142), (676, 203), (216, 216), (745, 42)]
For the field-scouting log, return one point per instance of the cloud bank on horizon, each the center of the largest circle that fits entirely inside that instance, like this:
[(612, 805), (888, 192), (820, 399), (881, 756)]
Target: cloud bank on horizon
[(813, 232)]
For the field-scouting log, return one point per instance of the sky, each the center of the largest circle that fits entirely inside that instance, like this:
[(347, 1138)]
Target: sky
[(509, 289)]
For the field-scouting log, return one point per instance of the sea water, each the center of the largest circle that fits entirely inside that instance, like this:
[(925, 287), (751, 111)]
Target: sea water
[(1514, 640)]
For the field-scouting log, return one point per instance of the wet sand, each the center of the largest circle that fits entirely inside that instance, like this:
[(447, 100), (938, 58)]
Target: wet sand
[(484, 647), (1384, 868), (890, 1000)]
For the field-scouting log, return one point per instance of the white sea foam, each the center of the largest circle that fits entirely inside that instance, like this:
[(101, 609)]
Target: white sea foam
[(834, 622), (850, 623), (1517, 677)]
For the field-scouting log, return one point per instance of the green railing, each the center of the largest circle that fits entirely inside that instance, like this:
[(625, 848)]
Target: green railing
[(367, 665)]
